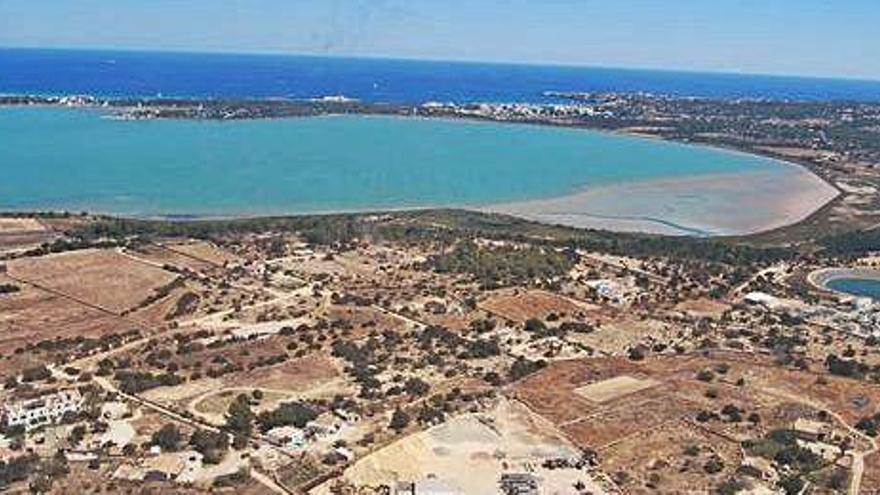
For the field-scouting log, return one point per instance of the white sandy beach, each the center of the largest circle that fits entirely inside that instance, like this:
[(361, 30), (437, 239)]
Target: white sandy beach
[(717, 204)]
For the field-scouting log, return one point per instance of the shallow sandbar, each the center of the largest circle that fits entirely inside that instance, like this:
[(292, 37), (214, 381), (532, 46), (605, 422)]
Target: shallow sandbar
[(713, 204)]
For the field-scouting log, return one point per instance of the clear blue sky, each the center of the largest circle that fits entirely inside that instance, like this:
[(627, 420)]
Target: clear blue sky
[(810, 37)]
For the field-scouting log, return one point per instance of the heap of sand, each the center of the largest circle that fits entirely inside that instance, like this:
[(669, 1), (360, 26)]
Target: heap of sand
[(470, 452)]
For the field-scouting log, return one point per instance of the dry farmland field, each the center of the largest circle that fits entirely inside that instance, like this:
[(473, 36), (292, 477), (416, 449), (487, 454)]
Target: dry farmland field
[(201, 251), (558, 392), (702, 307), (662, 451), (617, 406), (160, 255), (32, 314), (102, 278), (297, 375), (616, 334), (522, 306)]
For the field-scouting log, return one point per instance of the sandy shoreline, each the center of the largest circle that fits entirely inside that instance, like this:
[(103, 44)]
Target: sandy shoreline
[(706, 205)]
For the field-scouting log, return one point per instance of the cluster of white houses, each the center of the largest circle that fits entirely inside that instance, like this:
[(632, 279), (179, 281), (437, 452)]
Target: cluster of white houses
[(46, 409)]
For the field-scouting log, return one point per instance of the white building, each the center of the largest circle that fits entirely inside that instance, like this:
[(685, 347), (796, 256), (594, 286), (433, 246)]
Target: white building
[(762, 299), (290, 437), (347, 416), (47, 409), (607, 288)]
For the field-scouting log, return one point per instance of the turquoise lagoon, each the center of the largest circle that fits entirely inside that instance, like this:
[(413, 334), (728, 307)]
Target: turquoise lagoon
[(861, 287), (78, 159)]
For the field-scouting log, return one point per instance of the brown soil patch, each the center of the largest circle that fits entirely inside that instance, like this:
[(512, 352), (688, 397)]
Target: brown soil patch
[(32, 315), (703, 308), (243, 356), (871, 477), (161, 255), (659, 454), (83, 480), (532, 304), (551, 394), (453, 322), (362, 320), (630, 415), (771, 391), (294, 375), (102, 278), (204, 251), (173, 305), (616, 335)]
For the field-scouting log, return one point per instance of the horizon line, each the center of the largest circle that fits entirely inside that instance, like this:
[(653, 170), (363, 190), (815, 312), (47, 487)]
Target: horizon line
[(526, 63)]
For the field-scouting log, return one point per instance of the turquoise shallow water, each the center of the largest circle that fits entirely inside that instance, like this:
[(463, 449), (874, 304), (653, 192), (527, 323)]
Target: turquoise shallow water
[(856, 286), (80, 160)]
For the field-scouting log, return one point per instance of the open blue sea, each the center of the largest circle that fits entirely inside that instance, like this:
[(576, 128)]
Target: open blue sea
[(145, 74)]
